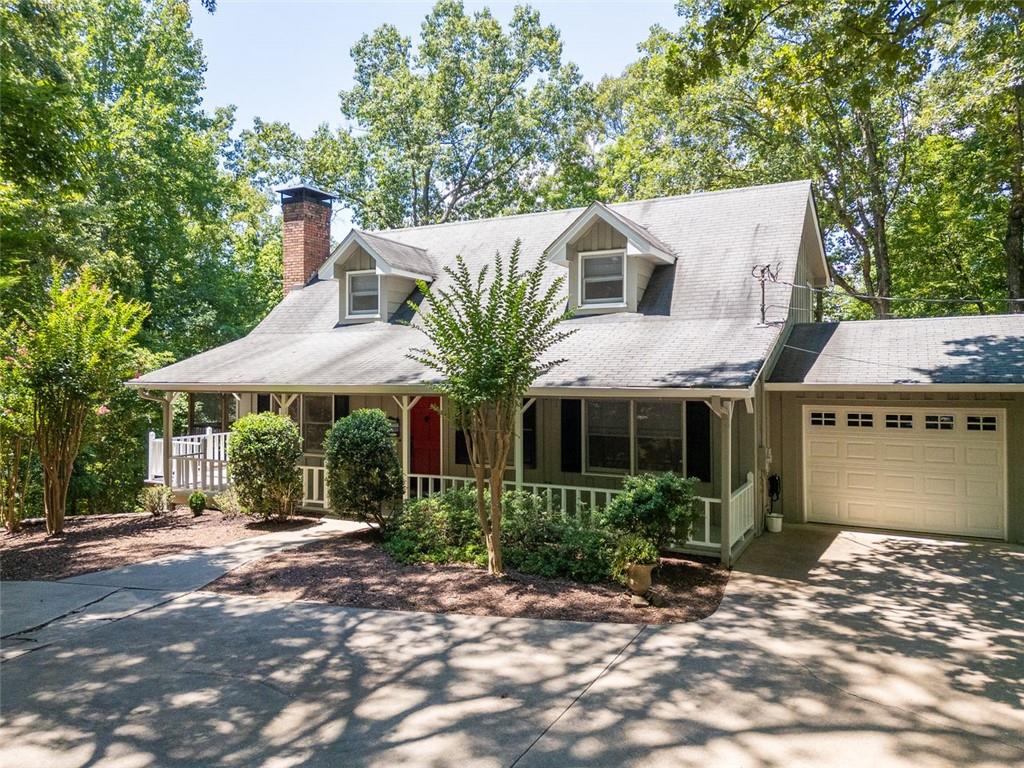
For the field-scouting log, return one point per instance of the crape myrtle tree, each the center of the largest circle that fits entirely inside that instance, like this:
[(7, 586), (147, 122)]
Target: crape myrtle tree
[(489, 341), (75, 350)]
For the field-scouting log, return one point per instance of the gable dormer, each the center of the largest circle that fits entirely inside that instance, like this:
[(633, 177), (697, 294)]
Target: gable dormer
[(610, 260), (375, 275)]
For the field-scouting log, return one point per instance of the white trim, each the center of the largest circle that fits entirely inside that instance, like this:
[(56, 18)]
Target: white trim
[(820, 240), (350, 314), (618, 301), (620, 393), (556, 252), (804, 387), (343, 251)]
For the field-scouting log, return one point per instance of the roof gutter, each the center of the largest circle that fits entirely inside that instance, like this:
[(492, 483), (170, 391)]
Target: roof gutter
[(926, 387), (730, 393)]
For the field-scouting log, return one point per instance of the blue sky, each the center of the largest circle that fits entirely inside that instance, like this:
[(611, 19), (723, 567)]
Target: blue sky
[(288, 60)]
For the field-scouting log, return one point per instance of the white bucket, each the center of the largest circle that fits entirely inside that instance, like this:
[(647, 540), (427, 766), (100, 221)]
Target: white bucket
[(774, 523)]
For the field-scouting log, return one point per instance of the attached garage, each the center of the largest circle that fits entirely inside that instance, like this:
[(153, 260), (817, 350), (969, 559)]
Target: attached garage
[(917, 469), (911, 425)]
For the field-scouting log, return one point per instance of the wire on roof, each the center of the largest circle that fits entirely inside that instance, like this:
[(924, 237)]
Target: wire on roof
[(869, 297)]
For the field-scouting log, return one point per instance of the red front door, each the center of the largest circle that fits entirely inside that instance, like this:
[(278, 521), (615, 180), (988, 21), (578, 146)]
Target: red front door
[(425, 431)]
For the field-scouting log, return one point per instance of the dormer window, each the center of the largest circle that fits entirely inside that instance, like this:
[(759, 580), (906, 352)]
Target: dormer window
[(363, 293), (602, 278)]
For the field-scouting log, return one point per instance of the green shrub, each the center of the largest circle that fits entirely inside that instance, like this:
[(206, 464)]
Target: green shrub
[(228, 503), (633, 549), (197, 503), (659, 507), (439, 529), (155, 499), (446, 529), (551, 544), (364, 474), (263, 456)]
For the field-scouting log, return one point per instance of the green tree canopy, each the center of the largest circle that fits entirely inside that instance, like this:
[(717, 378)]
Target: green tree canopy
[(465, 124), (489, 340)]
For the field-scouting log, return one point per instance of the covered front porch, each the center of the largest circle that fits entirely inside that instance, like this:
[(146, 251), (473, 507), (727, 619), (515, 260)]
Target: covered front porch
[(573, 451)]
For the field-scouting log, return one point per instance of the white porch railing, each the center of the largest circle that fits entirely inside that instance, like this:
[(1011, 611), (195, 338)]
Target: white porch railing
[(741, 510), (198, 462), (314, 487), (573, 499)]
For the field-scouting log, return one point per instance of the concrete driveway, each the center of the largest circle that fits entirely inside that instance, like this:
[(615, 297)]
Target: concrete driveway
[(831, 648)]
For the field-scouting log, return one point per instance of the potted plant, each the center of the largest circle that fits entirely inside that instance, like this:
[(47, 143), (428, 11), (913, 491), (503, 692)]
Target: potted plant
[(197, 503), (635, 558)]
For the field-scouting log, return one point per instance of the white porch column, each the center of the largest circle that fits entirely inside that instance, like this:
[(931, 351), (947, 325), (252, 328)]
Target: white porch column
[(723, 409), (406, 404), (167, 405), (518, 459)]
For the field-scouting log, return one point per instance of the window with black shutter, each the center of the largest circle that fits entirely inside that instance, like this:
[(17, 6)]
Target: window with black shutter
[(572, 440), (340, 407), (698, 441)]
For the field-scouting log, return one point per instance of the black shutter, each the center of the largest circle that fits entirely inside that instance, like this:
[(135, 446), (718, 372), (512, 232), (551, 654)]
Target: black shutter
[(698, 441), (530, 437), (572, 435), (262, 403), (461, 451), (340, 406)]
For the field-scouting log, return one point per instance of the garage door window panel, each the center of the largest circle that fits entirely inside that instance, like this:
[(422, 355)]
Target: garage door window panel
[(860, 420), (899, 421), (823, 418), (941, 422), (981, 424)]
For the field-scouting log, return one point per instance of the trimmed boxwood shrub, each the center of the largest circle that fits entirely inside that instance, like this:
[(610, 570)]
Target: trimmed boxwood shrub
[(659, 507), (364, 474), (263, 462)]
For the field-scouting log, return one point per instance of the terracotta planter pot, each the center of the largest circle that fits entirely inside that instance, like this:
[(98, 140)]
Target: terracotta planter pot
[(638, 577)]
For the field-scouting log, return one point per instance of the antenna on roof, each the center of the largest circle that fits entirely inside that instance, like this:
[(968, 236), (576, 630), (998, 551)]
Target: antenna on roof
[(764, 273)]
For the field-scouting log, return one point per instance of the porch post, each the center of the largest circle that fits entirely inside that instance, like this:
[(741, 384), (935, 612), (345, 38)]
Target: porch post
[(723, 408), (167, 404), (405, 405)]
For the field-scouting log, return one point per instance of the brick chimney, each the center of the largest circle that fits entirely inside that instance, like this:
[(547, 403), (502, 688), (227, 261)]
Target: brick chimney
[(306, 211)]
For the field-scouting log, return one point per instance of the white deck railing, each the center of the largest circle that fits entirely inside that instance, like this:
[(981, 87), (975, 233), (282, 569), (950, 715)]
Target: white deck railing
[(741, 510), (198, 462)]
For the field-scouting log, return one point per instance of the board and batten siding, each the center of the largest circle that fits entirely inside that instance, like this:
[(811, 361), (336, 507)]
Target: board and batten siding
[(394, 290), (601, 236), (785, 414)]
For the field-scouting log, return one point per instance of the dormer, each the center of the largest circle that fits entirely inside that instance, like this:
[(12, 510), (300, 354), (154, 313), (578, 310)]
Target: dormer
[(610, 260), (375, 275)]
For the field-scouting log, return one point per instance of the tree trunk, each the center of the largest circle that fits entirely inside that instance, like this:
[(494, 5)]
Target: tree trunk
[(55, 494), (1013, 245), (494, 563)]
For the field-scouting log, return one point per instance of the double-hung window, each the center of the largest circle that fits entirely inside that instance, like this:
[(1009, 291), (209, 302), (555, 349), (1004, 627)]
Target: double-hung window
[(602, 278), (608, 436), (659, 437), (363, 293)]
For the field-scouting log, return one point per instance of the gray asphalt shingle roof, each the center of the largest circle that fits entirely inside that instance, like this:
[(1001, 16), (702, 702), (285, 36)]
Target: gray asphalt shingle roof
[(400, 255), (985, 349), (696, 325)]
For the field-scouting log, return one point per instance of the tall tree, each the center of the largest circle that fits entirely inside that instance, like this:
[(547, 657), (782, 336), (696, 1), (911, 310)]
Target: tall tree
[(489, 340), (837, 83), (978, 93), (465, 124), (78, 347)]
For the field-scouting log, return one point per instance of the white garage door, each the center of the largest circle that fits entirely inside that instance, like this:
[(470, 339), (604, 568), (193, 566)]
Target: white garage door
[(913, 469)]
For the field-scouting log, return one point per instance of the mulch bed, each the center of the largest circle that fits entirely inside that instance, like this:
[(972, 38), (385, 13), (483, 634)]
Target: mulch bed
[(96, 543), (352, 570)]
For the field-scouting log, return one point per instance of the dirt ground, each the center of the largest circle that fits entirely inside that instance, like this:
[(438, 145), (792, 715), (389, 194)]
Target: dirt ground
[(353, 570), (95, 543)]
